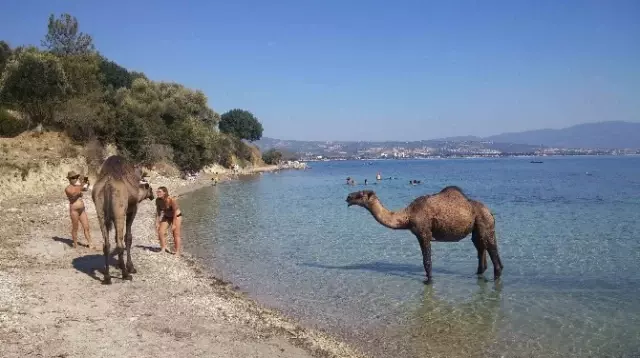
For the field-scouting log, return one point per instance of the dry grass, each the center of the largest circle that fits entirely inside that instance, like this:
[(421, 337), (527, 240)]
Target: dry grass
[(256, 155), (33, 164), (28, 147)]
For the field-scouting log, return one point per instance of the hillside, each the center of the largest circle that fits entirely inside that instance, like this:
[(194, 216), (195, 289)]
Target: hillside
[(394, 148), (603, 135), (613, 134)]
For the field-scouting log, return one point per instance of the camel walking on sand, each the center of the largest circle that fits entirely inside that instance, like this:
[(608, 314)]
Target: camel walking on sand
[(445, 216), (116, 194)]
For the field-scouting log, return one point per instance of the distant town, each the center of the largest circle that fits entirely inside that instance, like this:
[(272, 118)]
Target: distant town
[(600, 138), (457, 151)]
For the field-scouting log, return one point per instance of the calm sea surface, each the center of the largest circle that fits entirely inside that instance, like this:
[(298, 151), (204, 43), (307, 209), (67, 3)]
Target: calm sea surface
[(568, 234)]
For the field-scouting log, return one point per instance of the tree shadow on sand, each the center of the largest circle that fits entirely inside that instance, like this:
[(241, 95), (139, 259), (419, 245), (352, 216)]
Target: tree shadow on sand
[(91, 264), (63, 240), (69, 242), (388, 268), (148, 248)]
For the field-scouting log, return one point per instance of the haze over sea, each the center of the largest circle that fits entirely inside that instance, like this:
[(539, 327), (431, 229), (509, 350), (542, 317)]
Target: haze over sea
[(568, 235)]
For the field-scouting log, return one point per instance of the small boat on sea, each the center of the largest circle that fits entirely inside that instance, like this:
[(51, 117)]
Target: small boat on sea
[(536, 161)]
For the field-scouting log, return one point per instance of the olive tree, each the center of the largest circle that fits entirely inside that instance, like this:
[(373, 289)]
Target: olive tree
[(241, 124), (34, 83)]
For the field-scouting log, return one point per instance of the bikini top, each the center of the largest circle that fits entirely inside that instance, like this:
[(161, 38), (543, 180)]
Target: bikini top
[(167, 211)]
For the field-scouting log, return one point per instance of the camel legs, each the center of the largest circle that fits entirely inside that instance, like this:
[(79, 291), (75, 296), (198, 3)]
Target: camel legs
[(424, 239), (128, 237), (495, 259), (482, 256), (105, 248), (490, 243), (484, 236), (119, 222)]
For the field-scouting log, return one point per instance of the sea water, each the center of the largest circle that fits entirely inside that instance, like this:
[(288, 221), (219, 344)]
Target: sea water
[(568, 233)]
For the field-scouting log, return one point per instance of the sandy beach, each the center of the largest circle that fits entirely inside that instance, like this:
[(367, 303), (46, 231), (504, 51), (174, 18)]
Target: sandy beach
[(52, 303)]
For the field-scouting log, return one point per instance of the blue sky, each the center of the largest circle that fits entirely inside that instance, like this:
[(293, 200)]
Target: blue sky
[(374, 70)]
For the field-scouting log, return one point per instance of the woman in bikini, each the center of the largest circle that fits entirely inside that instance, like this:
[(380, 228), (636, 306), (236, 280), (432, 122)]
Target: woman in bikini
[(76, 207), (168, 214)]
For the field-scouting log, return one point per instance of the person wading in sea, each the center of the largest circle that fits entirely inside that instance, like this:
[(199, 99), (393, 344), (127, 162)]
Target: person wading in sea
[(168, 214), (77, 211)]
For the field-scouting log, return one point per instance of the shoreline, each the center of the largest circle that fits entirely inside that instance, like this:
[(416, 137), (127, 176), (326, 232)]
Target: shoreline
[(52, 303)]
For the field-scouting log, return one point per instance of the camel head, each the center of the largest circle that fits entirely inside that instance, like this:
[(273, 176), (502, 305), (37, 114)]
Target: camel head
[(361, 198), (146, 189)]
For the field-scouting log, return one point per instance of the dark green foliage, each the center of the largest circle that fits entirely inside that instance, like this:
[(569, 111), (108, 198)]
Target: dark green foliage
[(72, 88), (83, 74), (5, 53), (241, 124), (34, 83), (115, 75), (272, 156)]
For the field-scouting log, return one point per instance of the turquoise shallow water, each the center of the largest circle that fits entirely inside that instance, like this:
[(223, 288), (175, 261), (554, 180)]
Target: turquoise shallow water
[(569, 237)]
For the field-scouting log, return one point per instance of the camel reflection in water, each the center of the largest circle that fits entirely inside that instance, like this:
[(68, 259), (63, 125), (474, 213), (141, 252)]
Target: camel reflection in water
[(438, 328)]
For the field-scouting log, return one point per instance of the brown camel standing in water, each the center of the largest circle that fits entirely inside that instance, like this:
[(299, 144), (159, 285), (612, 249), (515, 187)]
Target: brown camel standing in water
[(116, 194), (445, 216)]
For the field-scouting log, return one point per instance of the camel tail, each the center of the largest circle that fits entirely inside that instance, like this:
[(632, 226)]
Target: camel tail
[(107, 206)]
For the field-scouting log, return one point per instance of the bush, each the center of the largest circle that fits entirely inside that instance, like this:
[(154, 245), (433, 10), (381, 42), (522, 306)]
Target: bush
[(241, 124), (95, 101), (34, 83), (11, 126), (272, 156), (94, 152)]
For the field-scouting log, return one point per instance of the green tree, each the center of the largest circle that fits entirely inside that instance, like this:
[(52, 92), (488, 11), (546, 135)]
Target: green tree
[(272, 156), (76, 52), (241, 124), (115, 75), (35, 84), (87, 117), (192, 142), (5, 54), (63, 37), (83, 74), (166, 114)]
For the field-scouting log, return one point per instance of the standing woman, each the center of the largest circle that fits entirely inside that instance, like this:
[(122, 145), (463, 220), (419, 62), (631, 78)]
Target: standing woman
[(77, 210), (168, 214)]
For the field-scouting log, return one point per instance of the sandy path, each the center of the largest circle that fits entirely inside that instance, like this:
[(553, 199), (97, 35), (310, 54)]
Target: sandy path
[(52, 303)]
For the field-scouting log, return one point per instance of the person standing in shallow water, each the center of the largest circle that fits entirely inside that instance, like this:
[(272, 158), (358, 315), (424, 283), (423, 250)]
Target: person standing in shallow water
[(77, 210), (168, 214)]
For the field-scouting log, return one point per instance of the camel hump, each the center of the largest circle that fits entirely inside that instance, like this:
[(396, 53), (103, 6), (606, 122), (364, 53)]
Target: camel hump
[(118, 168), (452, 188), (455, 190)]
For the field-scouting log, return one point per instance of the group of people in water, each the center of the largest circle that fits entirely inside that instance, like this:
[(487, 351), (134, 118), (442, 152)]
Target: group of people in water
[(350, 180), (168, 214)]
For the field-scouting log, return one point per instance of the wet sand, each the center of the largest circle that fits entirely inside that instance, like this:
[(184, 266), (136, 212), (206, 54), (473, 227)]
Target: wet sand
[(52, 303)]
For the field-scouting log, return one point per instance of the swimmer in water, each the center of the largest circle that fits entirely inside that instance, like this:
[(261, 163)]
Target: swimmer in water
[(378, 176)]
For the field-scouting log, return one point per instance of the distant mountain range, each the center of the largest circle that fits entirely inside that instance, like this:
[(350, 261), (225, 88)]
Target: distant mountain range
[(605, 135), (602, 135)]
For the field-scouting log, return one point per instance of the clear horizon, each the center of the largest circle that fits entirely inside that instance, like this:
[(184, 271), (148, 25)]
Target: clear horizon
[(369, 71)]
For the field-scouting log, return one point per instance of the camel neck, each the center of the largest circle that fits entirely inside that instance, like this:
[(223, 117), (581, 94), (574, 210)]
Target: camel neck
[(390, 219), (142, 194)]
